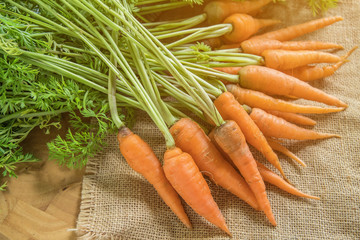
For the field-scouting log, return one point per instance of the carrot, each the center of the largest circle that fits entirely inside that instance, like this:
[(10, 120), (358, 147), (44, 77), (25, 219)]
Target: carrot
[(260, 100), (225, 156), (244, 26), (183, 174), (280, 148), (188, 134), (286, 59), (276, 180), (273, 126), (142, 159), (230, 109), (230, 70), (271, 81), (213, 42), (294, 118), (291, 32), (310, 73), (257, 45), (217, 11), (230, 138)]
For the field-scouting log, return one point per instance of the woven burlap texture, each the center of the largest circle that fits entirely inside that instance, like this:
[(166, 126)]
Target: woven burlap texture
[(118, 203)]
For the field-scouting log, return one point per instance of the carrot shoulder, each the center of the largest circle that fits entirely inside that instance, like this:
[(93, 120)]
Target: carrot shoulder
[(231, 140), (183, 174), (190, 137), (230, 109), (291, 32), (273, 126), (142, 159)]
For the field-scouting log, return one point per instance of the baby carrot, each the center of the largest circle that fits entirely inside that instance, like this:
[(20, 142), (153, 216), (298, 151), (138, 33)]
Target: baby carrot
[(280, 148), (188, 134), (217, 11), (183, 174), (293, 118), (286, 59), (274, 82), (230, 138), (260, 100), (230, 109), (291, 32), (245, 26), (276, 180), (142, 159), (273, 126)]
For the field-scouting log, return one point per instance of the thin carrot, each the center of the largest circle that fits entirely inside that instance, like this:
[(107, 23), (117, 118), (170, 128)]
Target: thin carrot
[(217, 11), (142, 159), (257, 45), (280, 148), (271, 81), (230, 138), (310, 73), (276, 180), (183, 174), (287, 59), (294, 118), (188, 134), (273, 126), (230, 109), (291, 32), (230, 70), (260, 100), (244, 26)]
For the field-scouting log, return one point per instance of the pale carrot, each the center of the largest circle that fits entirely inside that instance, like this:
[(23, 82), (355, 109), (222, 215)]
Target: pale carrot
[(183, 174), (272, 126), (291, 32), (142, 159), (258, 99), (188, 134)]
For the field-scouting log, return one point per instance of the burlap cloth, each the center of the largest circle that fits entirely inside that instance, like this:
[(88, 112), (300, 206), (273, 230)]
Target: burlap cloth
[(119, 204)]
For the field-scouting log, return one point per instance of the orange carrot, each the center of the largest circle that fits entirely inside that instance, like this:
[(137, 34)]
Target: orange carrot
[(245, 26), (142, 159), (188, 134), (230, 109), (286, 59), (280, 148), (257, 45), (293, 118), (230, 138), (230, 70), (273, 126), (291, 32), (271, 81), (183, 174), (225, 156), (217, 11), (276, 180), (310, 73), (260, 100)]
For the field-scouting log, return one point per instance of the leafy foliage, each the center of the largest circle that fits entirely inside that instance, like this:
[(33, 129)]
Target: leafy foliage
[(318, 6)]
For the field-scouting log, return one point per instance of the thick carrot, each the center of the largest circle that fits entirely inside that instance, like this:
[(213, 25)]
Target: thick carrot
[(280, 148), (226, 157), (273, 126), (244, 26), (260, 100), (310, 73), (294, 118), (183, 174), (287, 59), (273, 82), (230, 138), (276, 180), (230, 109), (188, 134), (217, 11), (142, 159), (230, 70), (291, 32), (257, 45)]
